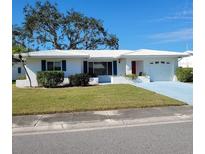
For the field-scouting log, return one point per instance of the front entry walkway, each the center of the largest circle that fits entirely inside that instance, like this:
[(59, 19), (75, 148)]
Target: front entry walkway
[(177, 90)]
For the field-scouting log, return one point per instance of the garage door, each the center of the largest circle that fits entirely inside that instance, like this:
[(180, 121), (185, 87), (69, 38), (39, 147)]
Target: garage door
[(160, 71)]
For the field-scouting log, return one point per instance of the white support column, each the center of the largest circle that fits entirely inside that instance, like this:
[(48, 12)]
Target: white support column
[(128, 66)]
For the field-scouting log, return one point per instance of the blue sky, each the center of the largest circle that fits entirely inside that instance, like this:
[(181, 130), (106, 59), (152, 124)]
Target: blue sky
[(151, 24)]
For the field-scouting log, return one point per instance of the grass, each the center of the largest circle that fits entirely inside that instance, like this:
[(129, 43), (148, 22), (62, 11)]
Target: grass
[(42, 101)]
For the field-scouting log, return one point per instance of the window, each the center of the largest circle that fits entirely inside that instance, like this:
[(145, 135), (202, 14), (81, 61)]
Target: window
[(19, 70), (162, 62), (50, 66), (151, 63), (57, 66), (168, 62), (156, 62), (53, 66), (100, 68)]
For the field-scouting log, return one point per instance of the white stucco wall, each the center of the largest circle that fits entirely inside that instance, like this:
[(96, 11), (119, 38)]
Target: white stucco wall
[(121, 67), (139, 65), (33, 66), (15, 74), (73, 66), (157, 72), (128, 66)]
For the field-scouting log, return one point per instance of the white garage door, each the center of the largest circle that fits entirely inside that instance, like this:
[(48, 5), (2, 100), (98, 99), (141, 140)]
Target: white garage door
[(160, 71)]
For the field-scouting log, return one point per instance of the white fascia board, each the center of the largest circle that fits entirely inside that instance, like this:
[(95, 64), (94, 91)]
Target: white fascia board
[(154, 56), (58, 56)]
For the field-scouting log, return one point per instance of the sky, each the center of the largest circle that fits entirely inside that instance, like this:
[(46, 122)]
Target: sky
[(139, 24)]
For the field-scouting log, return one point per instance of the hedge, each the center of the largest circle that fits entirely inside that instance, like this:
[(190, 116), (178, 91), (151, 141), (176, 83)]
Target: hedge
[(184, 74), (50, 79), (79, 79)]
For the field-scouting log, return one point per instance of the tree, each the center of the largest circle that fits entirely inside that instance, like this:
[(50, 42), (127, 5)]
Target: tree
[(46, 27), (18, 47)]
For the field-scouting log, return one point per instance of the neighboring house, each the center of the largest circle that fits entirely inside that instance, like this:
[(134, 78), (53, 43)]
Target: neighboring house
[(17, 69), (186, 61), (106, 64)]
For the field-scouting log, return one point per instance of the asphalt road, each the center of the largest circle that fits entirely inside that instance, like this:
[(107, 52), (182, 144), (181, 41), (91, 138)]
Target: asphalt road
[(156, 139)]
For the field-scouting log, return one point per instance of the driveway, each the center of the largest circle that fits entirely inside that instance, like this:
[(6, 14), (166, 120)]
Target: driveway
[(177, 90)]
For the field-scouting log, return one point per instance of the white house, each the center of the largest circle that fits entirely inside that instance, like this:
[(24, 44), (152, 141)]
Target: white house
[(106, 64), (17, 69), (186, 61)]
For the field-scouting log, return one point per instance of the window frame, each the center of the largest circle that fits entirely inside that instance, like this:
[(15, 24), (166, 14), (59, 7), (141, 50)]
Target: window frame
[(54, 65), (91, 67)]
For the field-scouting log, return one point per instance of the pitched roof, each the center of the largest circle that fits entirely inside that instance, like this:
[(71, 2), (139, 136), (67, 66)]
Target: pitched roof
[(103, 53)]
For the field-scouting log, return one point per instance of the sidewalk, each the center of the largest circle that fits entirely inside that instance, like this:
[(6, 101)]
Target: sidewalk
[(93, 119)]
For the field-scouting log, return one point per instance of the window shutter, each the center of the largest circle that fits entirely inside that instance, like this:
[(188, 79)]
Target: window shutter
[(85, 67), (109, 68), (115, 67), (43, 65), (64, 65)]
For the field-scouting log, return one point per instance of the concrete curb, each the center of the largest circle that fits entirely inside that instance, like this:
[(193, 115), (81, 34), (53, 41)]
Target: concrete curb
[(108, 123)]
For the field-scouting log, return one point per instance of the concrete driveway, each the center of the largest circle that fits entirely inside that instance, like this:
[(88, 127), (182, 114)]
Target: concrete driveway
[(177, 90)]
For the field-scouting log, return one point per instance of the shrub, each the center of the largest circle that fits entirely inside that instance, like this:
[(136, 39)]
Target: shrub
[(184, 74), (142, 74), (22, 77), (50, 79), (79, 79), (131, 76)]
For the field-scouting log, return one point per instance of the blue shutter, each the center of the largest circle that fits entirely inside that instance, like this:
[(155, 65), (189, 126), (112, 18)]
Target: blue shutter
[(43, 65), (115, 67), (64, 65), (85, 67)]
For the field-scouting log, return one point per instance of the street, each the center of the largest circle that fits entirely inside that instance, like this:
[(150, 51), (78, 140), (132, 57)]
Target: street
[(166, 138)]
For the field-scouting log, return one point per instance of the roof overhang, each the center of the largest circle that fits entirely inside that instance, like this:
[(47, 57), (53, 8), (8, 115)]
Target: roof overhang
[(154, 56), (104, 54)]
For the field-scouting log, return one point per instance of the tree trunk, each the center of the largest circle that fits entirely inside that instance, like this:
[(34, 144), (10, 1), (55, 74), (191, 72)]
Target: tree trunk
[(26, 71)]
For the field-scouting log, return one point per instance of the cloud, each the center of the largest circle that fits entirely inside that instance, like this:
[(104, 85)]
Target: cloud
[(173, 36), (182, 15)]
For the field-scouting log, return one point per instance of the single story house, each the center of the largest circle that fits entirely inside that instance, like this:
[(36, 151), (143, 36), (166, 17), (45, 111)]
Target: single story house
[(17, 69), (106, 64)]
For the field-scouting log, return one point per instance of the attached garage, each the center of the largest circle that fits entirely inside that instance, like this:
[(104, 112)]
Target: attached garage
[(161, 70)]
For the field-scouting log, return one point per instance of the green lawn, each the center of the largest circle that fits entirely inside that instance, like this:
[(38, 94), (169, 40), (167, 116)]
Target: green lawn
[(40, 100)]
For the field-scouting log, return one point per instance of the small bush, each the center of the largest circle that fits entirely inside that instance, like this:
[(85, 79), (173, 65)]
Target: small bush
[(50, 79), (142, 74), (79, 79), (131, 76), (184, 74), (22, 77)]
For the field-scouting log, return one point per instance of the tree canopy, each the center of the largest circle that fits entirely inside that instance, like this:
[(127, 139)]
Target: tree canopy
[(45, 27)]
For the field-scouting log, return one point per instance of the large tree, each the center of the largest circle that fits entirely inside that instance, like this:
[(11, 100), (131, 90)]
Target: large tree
[(46, 27)]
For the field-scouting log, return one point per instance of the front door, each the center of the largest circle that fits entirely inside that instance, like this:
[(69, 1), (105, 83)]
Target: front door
[(133, 67)]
